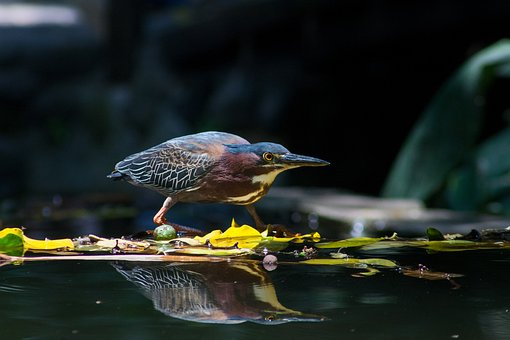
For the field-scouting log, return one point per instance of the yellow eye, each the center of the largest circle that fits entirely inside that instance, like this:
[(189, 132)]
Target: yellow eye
[(268, 156)]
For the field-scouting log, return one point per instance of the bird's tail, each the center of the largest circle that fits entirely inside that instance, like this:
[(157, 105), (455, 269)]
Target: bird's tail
[(116, 176)]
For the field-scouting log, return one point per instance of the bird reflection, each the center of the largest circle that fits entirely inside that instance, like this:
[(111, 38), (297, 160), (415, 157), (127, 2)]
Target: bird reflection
[(221, 292)]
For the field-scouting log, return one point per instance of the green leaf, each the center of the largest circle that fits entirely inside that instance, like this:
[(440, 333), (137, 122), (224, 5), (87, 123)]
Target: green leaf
[(448, 128), (439, 246), (462, 245), (434, 235), (348, 243), (484, 178), (11, 241), (352, 262), (352, 242)]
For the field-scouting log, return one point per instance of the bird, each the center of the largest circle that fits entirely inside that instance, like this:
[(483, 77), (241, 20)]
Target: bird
[(209, 167)]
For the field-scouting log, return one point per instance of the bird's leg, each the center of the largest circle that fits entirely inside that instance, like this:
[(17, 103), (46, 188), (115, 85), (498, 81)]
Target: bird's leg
[(256, 218), (278, 230), (159, 218)]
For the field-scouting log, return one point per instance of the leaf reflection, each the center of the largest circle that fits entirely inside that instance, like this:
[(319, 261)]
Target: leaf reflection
[(226, 293)]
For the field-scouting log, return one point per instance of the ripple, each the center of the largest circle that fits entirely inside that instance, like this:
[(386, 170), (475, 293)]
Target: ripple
[(10, 288)]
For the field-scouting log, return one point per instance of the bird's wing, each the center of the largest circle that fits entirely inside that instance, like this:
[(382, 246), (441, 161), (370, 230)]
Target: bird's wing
[(168, 168)]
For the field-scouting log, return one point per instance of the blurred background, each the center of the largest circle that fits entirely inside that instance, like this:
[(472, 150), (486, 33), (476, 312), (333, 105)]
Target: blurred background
[(84, 83)]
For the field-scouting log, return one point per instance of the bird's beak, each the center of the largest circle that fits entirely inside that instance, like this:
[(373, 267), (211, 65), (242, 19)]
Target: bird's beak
[(293, 160)]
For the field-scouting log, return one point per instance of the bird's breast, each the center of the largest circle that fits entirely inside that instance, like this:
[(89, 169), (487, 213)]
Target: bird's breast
[(257, 187), (240, 190)]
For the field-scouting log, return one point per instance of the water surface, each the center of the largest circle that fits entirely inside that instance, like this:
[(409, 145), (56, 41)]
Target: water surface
[(89, 299)]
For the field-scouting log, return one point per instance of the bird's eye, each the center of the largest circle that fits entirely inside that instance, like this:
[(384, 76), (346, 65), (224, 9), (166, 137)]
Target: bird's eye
[(268, 156)]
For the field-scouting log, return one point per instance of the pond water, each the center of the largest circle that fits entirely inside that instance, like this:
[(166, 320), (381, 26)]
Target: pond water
[(242, 300)]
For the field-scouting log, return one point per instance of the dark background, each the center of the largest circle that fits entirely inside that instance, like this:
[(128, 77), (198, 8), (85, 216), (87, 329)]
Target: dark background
[(340, 80)]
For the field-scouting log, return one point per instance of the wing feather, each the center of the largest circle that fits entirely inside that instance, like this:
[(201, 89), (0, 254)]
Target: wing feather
[(167, 168), (178, 164)]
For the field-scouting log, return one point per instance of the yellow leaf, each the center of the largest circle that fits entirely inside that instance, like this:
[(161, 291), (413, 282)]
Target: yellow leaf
[(243, 236), (13, 234), (15, 231), (315, 237), (31, 244), (205, 238)]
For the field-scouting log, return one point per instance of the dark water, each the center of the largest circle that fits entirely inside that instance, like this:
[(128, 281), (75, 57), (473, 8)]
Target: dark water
[(100, 300), (241, 300)]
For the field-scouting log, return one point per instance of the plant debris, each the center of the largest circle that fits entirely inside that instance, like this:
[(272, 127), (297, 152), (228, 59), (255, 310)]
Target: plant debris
[(244, 243)]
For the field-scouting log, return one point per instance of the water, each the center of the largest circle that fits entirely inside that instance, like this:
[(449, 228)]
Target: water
[(242, 300), (88, 299)]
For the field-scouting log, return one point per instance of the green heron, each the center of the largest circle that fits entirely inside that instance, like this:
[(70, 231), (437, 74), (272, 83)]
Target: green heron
[(213, 167)]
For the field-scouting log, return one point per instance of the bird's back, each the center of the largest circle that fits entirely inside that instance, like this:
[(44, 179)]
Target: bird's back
[(176, 165)]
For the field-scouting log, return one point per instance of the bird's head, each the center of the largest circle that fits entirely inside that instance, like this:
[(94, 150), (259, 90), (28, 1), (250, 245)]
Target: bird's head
[(254, 167), (270, 157)]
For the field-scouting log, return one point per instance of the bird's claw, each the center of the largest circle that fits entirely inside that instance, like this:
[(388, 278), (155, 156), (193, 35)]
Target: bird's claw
[(180, 229), (160, 220)]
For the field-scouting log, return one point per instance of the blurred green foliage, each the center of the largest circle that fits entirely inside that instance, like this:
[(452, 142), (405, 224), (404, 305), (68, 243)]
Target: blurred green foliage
[(443, 161)]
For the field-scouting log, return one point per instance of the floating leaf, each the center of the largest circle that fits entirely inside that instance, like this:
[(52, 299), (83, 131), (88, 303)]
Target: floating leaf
[(13, 239), (241, 236), (439, 246), (31, 244), (369, 272), (339, 255), (348, 243), (186, 240), (349, 261), (314, 237), (429, 275), (120, 244), (462, 245), (353, 242), (245, 236), (272, 243), (205, 238), (209, 251), (434, 235), (369, 265)]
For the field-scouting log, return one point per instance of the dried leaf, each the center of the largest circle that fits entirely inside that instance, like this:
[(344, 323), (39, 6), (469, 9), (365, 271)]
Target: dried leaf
[(429, 275), (209, 251), (104, 244)]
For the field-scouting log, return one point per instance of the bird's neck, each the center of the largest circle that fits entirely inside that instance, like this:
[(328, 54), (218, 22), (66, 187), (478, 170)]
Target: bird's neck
[(267, 178)]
